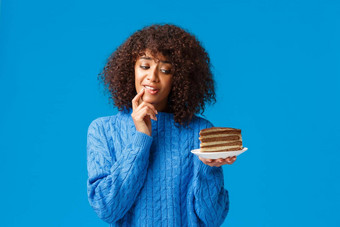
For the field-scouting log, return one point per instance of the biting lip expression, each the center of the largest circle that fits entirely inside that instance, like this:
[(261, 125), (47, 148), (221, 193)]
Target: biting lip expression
[(151, 89), (155, 76)]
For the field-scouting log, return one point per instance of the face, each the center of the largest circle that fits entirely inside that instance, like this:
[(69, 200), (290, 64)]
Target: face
[(154, 74)]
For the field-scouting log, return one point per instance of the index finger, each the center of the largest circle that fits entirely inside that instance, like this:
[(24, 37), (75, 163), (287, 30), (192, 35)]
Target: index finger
[(233, 158), (135, 100)]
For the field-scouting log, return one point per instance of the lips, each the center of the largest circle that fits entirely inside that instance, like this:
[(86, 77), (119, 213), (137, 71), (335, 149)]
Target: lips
[(151, 90)]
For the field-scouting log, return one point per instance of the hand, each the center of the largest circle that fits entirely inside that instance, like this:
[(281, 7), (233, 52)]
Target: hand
[(218, 162), (142, 113)]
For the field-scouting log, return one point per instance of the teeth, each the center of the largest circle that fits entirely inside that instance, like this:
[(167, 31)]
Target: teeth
[(147, 87)]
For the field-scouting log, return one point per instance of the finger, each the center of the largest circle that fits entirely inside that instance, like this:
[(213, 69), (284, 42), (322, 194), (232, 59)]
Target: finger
[(220, 160), (140, 114), (209, 160), (146, 111), (230, 160), (135, 100), (143, 104), (147, 120)]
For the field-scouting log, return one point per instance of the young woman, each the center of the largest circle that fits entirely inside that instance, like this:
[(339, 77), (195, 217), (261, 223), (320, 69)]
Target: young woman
[(140, 168)]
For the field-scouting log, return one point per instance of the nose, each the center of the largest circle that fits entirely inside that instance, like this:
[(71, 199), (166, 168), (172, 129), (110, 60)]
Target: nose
[(153, 75)]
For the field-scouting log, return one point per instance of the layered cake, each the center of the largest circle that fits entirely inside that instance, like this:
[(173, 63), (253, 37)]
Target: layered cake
[(218, 139)]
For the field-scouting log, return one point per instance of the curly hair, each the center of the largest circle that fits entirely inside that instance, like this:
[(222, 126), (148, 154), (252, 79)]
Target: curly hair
[(193, 84)]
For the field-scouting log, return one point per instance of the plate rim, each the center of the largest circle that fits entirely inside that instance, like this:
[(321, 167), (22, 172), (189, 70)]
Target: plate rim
[(197, 151)]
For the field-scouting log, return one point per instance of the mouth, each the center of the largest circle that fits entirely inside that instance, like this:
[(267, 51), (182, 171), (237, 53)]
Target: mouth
[(151, 90)]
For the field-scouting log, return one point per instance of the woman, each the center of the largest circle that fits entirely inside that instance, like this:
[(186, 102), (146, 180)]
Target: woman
[(140, 168)]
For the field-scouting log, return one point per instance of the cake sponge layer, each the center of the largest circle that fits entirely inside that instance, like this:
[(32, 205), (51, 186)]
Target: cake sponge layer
[(218, 139)]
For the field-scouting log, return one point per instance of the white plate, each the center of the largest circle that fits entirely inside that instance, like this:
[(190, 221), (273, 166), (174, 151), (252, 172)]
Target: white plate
[(217, 155)]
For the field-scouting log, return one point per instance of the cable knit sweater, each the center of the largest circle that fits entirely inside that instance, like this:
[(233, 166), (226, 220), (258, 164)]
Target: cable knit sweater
[(138, 180)]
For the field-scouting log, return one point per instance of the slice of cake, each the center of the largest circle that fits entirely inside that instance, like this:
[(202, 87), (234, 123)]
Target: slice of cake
[(218, 139)]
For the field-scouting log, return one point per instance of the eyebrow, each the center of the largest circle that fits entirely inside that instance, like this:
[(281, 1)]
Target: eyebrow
[(149, 58)]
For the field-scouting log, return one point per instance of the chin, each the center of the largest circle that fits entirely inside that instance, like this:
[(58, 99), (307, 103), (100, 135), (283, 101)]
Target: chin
[(148, 99)]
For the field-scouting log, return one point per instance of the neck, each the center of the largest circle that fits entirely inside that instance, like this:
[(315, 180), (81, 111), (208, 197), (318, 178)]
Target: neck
[(163, 107)]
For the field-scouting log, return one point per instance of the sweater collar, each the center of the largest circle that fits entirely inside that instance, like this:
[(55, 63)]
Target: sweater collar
[(163, 114)]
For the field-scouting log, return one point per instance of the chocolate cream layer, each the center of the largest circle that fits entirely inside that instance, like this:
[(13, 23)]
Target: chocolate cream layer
[(218, 139)]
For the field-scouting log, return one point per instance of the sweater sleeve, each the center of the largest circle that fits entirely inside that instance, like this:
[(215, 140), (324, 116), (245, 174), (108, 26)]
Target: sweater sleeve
[(113, 185), (211, 199)]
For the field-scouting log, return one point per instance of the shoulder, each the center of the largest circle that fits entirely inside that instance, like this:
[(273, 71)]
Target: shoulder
[(200, 122), (100, 122), (107, 123)]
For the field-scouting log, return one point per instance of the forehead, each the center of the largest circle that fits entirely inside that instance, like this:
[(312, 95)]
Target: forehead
[(147, 55)]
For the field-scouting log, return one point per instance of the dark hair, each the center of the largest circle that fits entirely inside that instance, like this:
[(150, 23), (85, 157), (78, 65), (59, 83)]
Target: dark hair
[(193, 84)]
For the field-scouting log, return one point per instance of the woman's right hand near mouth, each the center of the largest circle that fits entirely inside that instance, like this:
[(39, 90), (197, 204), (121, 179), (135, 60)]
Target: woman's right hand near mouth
[(142, 113)]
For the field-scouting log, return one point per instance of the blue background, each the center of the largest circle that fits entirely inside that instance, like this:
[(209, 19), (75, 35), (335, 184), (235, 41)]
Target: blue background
[(276, 65)]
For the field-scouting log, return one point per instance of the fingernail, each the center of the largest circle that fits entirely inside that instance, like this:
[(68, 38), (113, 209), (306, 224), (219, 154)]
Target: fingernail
[(142, 90)]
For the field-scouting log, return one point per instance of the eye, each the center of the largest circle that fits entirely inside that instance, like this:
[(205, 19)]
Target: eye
[(165, 71), (145, 67)]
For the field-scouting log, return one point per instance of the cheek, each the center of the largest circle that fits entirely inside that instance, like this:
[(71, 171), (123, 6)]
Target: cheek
[(138, 77), (137, 81)]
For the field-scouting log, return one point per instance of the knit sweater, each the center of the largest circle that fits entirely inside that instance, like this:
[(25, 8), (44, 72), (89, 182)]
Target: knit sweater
[(140, 180)]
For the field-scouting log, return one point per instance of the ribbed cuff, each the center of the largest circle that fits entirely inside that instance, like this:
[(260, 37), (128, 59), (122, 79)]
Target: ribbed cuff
[(212, 174), (206, 169), (142, 141)]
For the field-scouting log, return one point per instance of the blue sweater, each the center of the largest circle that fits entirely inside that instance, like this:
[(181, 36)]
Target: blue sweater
[(138, 180)]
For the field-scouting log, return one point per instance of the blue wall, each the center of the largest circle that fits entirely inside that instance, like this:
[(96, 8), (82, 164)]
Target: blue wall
[(276, 64)]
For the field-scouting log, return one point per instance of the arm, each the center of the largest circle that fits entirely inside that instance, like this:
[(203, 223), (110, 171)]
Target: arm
[(113, 185), (211, 199)]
